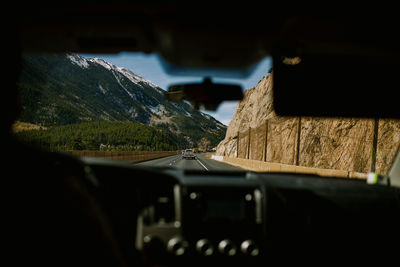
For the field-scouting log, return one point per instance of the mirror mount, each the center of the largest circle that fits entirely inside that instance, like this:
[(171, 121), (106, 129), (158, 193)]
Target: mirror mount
[(206, 95)]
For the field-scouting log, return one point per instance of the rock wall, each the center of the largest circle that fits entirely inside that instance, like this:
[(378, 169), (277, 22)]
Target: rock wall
[(248, 114), (344, 144), (388, 144), (349, 144)]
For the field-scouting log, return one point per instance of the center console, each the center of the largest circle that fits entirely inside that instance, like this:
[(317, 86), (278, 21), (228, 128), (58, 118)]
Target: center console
[(207, 220)]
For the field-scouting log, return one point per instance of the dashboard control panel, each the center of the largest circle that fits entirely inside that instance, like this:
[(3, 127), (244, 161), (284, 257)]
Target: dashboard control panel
[(203, 220)]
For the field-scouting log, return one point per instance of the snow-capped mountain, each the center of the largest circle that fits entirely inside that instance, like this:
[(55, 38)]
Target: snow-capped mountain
[(64, 89)]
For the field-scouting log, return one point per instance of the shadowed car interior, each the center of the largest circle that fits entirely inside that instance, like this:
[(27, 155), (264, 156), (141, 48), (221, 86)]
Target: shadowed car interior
[(74, 211)]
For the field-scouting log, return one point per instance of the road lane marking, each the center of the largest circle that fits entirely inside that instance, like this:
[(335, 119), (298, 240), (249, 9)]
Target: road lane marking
[(202, 164), (174, 161)]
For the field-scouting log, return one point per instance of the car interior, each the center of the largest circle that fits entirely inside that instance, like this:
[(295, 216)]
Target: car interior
[(65, 210)]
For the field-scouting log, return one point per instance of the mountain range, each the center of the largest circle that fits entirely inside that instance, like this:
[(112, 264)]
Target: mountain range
[(70, 89)]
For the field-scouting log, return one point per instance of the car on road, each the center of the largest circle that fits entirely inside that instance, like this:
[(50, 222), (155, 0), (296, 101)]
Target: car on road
[(188, 154)]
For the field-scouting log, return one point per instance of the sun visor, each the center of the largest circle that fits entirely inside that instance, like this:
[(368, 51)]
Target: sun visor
[(178, 70), (336, 85)]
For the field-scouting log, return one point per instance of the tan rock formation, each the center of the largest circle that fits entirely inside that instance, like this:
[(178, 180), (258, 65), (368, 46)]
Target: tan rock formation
[(330, 143)]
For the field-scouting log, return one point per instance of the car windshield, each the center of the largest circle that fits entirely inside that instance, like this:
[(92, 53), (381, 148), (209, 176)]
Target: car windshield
[(114, 107)]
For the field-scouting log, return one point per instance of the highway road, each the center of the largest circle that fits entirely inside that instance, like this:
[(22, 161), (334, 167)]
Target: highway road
[(200, 163)]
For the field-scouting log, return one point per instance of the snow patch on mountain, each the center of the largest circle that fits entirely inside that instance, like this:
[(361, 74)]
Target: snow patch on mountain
[(102, 89), (133, 77), (132, 96), (182, 109), (77, 60), (158, 109), (101, 62)]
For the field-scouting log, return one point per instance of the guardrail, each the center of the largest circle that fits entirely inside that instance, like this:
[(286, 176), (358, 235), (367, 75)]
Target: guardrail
[(352, 145), (261, 166), (132, 156)]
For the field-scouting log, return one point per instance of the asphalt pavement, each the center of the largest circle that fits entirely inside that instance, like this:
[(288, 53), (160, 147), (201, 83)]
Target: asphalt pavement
[(200, 163)]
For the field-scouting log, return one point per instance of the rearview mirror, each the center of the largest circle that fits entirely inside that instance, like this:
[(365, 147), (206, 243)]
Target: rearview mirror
[(206, 95)]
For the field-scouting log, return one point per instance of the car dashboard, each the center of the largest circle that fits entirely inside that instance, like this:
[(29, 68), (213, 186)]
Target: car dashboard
[(172, 217)]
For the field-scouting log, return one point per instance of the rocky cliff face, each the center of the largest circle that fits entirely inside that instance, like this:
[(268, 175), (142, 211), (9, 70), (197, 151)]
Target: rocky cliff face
[(252, 111), (349, 144)]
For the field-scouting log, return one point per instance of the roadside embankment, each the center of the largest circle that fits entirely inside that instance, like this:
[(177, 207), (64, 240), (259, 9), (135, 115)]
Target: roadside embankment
[(261, 166), (132, 156)]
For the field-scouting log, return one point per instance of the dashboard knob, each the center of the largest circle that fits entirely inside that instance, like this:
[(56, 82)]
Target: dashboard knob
[(227, 247), (204, 247), (248, 247), (177, 246)]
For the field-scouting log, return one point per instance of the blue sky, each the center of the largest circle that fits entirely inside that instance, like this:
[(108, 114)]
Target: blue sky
[(150, 68)]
